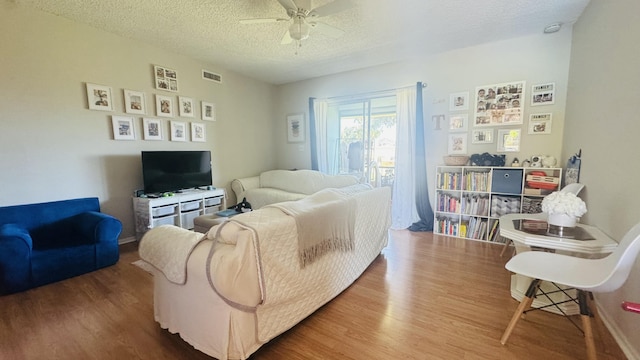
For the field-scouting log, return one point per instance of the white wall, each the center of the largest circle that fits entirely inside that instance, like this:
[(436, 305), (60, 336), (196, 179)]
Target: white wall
[(602, 120), (534, 59), (52, 147)]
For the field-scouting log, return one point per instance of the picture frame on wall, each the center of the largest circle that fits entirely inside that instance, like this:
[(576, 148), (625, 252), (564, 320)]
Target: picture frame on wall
[(178, 131), (152, 129), (198, 132), (540, 124), (166, 79), (457, 144), (208, 111), (123, 128), (295, 128), (99, 97), (164, 106), (509, 140), (484, 136), (543, 94), (185, 106), (459, 101), (458, 123), (134, 102), (499, 104)]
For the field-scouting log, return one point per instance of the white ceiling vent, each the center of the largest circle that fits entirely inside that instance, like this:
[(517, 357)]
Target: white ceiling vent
[(211, 76)]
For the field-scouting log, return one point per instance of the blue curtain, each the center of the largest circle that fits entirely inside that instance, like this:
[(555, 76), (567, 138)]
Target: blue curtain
[(312, 135), (423, 204)]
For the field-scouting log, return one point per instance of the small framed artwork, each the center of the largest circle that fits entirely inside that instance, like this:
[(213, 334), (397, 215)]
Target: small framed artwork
[(178, 131), (166, 79), (540, 124), (185, 105), (543, 94), (482, 136), (152, 129), (99, 97), (208, 111), (295, 128), (509, 140), (123, 128), (459, 101), (134, 102), (198, 132), (458, 143), (458, 123), (164, 106)]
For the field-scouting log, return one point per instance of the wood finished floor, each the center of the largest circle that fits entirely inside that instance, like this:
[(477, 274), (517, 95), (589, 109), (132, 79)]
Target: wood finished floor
[(424, 297)]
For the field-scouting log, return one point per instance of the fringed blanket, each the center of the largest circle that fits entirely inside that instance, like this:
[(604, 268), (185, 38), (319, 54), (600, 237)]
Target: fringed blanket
[(325, 222), (167, 248)]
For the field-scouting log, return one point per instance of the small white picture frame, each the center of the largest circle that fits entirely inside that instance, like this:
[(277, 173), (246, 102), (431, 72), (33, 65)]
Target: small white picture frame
[(540, 124), (198, 132), (509, 140), (295, 128), (208, 111), (166, 79), (123, 128), (164, 106), (185, 106), (459, 101), (482, 136), (458, 122), (543, 94), (178, 131), (457, 143), (152, 129), (99, 97), (134, 102)]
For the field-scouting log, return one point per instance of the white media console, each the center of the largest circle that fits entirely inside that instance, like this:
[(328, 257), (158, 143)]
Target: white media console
[(179, 209)]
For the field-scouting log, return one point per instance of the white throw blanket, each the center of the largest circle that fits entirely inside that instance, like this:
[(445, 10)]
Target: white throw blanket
[(324, 221), (167, 248)]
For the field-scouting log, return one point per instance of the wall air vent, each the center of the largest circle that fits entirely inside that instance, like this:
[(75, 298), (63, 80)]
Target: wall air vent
[(211, 76)]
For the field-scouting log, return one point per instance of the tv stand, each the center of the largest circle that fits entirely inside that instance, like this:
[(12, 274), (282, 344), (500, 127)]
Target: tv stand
[(178, 209)]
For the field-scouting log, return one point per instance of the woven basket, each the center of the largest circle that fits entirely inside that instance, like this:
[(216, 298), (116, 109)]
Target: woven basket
[(456, 160)]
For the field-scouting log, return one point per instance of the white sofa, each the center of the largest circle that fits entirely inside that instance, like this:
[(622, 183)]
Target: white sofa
[(237, 287), (284, 185)]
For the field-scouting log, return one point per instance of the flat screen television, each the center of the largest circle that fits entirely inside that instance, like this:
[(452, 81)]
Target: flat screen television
[(164, 171)]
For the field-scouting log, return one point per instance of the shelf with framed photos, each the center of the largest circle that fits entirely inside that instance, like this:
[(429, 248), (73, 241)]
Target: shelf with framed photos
[(469, 200)]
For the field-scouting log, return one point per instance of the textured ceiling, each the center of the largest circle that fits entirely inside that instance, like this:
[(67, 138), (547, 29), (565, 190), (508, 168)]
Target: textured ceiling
[(376, 31)]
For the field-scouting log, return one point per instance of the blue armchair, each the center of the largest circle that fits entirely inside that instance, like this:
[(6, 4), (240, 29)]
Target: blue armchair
[(48, 242)]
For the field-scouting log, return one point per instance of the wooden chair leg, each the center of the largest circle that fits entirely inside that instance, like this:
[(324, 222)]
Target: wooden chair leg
[(585, 315), (506, 246), (524, 305)]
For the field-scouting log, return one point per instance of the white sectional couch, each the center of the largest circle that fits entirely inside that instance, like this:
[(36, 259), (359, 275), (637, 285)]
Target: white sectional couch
[(284, 185), (243, 283)]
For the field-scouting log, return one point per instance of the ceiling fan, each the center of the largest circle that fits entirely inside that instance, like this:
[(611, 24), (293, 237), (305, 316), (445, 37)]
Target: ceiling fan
[(302, 20)]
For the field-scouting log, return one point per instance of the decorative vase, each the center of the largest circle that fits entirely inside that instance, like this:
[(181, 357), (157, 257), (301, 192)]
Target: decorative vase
[(562, 220)]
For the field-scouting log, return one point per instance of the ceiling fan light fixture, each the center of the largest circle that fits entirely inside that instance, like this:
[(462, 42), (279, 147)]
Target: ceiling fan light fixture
[(299, 29)]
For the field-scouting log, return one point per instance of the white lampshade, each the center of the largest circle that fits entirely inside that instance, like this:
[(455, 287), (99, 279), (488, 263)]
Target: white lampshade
[(299, 30)]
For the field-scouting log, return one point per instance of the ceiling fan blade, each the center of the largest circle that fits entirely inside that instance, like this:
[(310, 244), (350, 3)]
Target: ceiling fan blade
[(327, 30), (260, 21), (331, 8), (286, 38), (289, 5)]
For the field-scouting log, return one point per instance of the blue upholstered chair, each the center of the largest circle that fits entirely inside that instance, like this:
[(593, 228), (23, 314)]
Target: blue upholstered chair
[(48, 242)]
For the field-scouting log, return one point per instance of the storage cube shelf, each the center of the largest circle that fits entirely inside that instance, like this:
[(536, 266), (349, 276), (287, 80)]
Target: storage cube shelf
[(471, 199), (179, 210)]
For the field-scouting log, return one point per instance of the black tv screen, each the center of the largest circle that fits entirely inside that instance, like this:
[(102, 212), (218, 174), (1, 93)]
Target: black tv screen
[(164, 171)]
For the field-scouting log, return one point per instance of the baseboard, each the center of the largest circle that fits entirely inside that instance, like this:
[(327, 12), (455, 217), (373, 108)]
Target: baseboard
[(126, 240), (628, 350)]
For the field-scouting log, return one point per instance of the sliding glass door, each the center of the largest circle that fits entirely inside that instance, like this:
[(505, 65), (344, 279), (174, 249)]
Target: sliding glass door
[(362, 139)]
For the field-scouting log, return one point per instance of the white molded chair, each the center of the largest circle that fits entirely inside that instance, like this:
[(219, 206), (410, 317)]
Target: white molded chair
[(585, 275)]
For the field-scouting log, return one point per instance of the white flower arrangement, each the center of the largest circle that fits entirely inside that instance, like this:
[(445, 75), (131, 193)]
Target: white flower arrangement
[(564, 203)]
